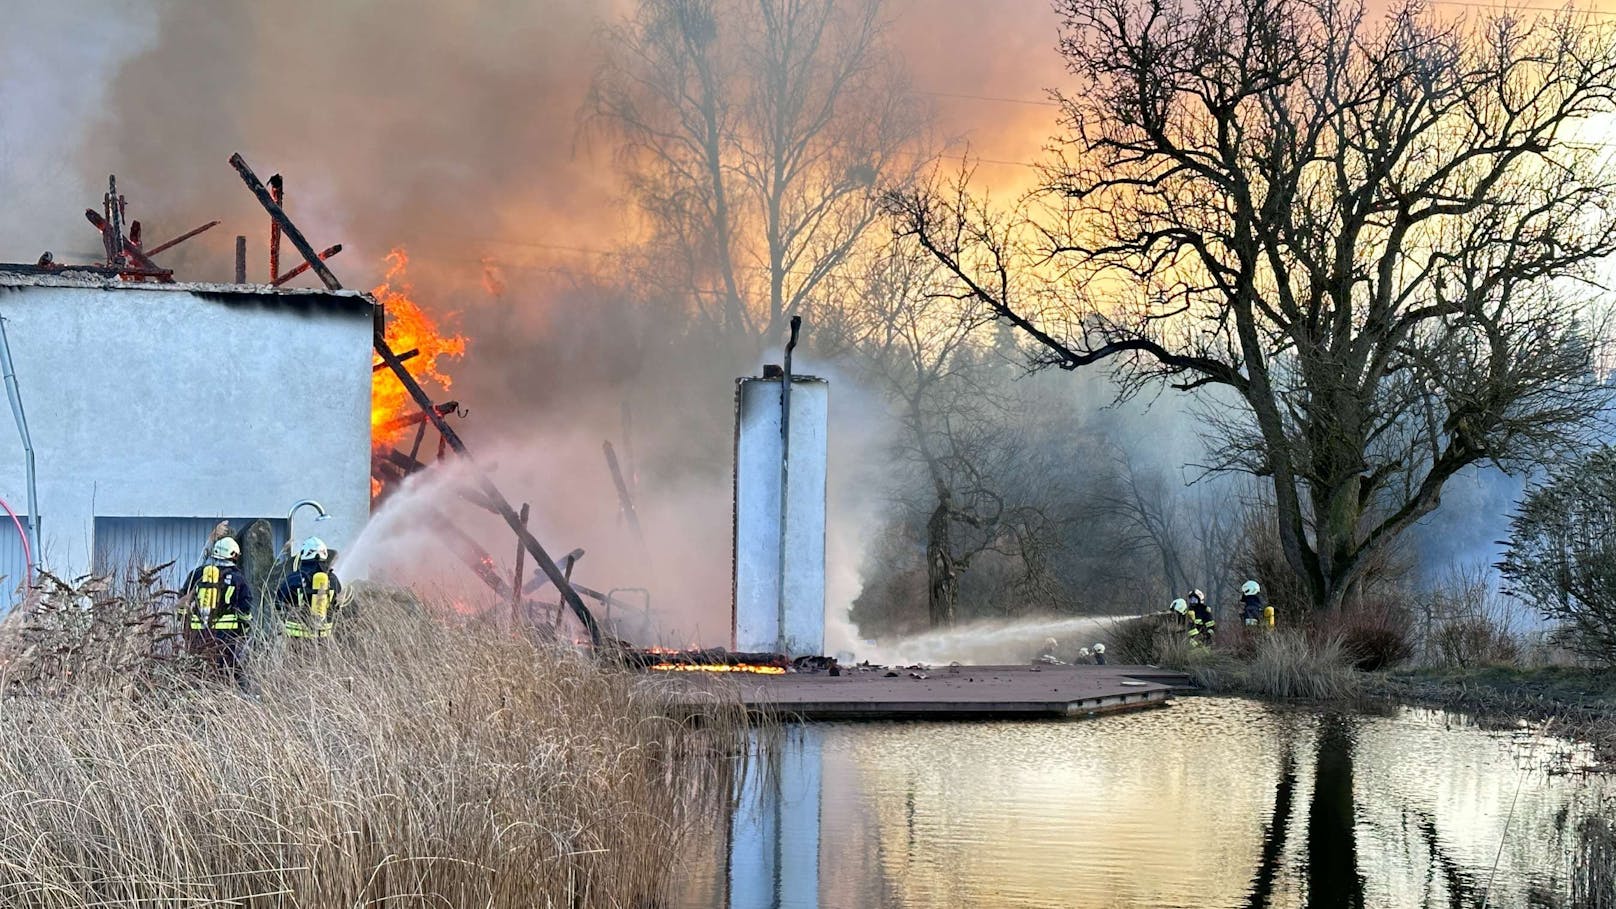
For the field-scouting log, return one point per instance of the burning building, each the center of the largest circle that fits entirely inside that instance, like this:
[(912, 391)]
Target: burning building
[(157, 409)]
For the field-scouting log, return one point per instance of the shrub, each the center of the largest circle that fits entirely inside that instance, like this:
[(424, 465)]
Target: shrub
[(1466, 623), (1145, 641), (1471, 642), (407, 761), (1374, 633)]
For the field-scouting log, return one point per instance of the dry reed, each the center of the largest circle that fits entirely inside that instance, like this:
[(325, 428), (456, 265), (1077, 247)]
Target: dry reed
[(409, 761)]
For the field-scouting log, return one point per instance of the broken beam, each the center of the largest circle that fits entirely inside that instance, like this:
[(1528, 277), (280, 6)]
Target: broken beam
[(277, 191), (287, 227), (406, 355), (622, 494), (142, 262), (536, 584), (325, 254), (444, 409), (471, 552), (181, 238)]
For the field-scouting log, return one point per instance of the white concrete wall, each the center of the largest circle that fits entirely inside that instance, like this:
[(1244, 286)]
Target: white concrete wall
[(758, 447), (186, 401)]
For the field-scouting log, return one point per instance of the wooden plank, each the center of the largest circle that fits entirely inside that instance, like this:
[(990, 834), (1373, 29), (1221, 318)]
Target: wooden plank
[(624, 499), (181, 238), (516, 580)]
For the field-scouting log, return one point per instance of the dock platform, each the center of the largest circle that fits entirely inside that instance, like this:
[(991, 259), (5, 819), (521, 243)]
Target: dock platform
[(947, 692)]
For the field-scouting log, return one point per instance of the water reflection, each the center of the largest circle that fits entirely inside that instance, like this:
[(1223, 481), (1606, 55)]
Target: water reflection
[(1333, 881), (1213, 802)]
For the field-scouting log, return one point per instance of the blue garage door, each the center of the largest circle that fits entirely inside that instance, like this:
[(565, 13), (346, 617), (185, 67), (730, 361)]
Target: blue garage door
[(13, 563), (124, 547)]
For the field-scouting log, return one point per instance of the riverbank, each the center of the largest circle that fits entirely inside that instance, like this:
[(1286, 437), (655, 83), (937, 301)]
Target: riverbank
[(412, 758), (1291, 665), (1579, 702)]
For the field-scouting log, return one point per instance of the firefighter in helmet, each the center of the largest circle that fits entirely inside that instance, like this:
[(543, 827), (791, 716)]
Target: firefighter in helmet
[(217, 600), (1202, 625), (1251, 604), (1179, 611), (310, 595)]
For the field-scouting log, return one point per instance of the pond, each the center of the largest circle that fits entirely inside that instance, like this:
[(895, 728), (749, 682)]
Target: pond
[(1209, 802)]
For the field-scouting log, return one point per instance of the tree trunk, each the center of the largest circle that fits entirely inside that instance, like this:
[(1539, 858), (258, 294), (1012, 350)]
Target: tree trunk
[(941, 573)]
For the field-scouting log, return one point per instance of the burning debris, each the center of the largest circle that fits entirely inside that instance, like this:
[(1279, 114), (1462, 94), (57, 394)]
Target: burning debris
[(715, 659), (127, 259), (422, 342)]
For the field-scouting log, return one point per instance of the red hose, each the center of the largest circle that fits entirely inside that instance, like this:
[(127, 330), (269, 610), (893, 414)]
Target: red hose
[(27, 552)]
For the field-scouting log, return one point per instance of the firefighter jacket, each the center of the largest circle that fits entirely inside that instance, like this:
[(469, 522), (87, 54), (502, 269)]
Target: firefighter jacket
[(308, 599), (1202, 625), (1251, 609), (221, 598)]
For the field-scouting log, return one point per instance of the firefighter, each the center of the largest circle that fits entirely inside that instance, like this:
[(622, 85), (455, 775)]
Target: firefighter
[(1099, 654), (310, 595), (1251, 604), (1180, 612), (218, 607), (1202, 625)]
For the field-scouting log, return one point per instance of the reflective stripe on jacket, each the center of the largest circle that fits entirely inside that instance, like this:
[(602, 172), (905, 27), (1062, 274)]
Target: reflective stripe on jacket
[(308, 597)]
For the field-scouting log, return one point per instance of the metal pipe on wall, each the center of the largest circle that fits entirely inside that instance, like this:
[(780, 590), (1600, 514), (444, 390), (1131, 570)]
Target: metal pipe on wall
[(27, 444), (785, 487)]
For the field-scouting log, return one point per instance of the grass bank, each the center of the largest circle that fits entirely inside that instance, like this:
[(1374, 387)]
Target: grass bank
[(411, 761), (1284, 664), (1315, 665)]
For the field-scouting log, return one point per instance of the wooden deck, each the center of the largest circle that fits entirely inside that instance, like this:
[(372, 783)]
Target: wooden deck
[(971, 692)]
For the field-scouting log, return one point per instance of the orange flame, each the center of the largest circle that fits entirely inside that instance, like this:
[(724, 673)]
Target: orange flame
[(755, 668), (408, 328)]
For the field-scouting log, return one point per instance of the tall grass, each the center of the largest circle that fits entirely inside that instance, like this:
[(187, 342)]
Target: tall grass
[(407, 762), (1284, 663), (1287, 664)]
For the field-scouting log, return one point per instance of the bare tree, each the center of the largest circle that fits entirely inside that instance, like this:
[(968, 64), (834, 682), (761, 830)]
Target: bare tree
[(923, 349), (1151, 518), (757, 137), (1362, 241)]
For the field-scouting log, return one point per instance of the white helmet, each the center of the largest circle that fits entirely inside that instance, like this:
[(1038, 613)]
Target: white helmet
[(1099, 648), (313, 550), (1179, 606), (1250, 589), (226, 550), (1198, 596), (1083, 652)]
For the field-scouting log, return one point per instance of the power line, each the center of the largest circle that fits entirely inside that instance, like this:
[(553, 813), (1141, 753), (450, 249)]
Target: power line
[(1000, 100), (1524, 8)]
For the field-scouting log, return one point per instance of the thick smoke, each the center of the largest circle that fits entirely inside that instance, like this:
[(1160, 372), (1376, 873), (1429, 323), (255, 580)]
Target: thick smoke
[(446, 127)]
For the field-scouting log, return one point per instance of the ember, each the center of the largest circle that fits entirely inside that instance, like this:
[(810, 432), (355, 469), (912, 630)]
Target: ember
[(717, 667), (408, 328), (717, 659)]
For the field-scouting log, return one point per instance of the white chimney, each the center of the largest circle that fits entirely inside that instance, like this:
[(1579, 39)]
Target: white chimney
[(768, 618)]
